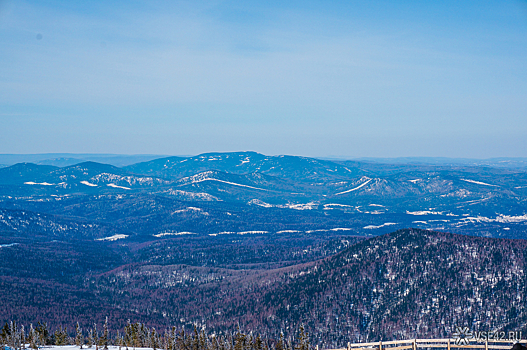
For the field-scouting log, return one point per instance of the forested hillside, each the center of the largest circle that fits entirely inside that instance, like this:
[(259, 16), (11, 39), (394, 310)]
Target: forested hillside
[(406, 284)]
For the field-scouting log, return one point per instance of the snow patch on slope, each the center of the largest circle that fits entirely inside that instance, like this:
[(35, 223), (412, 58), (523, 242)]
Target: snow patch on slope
[(260, 203), (330, 205), (116, 186), (369, 227), (238, 233), (192, 195), (246, 160), (504, 219), (296, 206), (8, 245), (479, 182), (302, 206), (354, 189), (112, 238), (162, 234), (205, 176), (424, 212), (194, 209)]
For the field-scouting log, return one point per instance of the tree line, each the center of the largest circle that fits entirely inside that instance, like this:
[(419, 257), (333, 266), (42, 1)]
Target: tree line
[(137, 335)]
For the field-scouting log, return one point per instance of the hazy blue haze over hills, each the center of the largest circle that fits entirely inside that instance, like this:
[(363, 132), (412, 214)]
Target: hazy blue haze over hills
[(247, 191), (65, 159)]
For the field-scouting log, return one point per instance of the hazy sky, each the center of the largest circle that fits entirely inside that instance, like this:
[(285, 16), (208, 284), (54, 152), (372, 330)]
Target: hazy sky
[(314, 78)]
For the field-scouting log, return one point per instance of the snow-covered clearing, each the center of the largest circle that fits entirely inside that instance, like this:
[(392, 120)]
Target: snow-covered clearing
[(296, 206), (8, 245), (187, 209), (192, 195), (112, 238), (302, 206), (260, 203), (504, 219), (369, 227), (162, 234), (252, 232), (354, 189), (246, 160), (116, 186), (337, 205), (204, 177), (424, 212), (479, 182), (238, 233)]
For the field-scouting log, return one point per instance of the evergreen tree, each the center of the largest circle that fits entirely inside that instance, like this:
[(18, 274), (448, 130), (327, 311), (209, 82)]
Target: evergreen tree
[(303, 341), (120, 340), (258, 343), (167, 340), (280, 345), (135, 335), (104, 338), (43, 334), (22, 337), (154, 341), (128, 339), (90, 338), (11, 340), (195, 339), (4, 334), (181, 341), (239, 340), (95, 336), (144, 335), (61, 336), (33, 338), (203, 340), (173, 337), (79, 339)]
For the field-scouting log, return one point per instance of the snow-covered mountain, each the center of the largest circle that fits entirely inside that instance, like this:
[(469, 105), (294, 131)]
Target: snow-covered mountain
[(253, 192)]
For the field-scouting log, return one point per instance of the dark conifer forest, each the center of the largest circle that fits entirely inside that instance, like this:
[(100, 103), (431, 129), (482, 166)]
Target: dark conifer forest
[(137, 335)]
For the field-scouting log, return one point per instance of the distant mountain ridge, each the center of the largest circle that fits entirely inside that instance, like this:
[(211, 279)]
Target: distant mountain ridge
[(297, 168), (66, 159), (255, 192)]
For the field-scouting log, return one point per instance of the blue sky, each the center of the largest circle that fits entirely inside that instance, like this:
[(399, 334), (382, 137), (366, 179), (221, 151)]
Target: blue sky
[(313, 78)]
